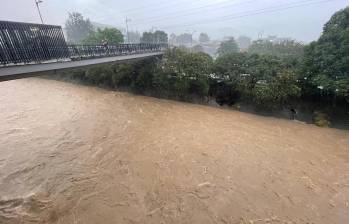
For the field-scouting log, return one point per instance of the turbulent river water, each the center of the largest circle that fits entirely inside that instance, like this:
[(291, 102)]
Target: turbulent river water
[(78, 154)]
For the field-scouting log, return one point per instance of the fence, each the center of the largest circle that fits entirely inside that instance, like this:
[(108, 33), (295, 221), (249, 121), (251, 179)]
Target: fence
[(27, 42), (35, 43)]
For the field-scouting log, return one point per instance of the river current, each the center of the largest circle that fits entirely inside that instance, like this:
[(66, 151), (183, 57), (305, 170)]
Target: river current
[(76, 154)]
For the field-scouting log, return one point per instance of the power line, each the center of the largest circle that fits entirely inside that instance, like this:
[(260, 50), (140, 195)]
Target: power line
[(141, 8), (197, 10), (250, 13), (165, 18), (136, 10)]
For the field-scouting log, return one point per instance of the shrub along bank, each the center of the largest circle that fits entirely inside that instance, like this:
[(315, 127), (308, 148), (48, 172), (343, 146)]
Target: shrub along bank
[(268, 83)]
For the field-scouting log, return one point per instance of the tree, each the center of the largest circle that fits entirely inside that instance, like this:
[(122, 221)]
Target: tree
[(229, 46), (156, 37), (160, 36), (283, 49), (147, 37), (77, 27), (326, 61), (279, 92), (197, 49), (257, 67), (261, 79), (173, 39), (112, 35), (185, 38), (187, 73), (204, 38)]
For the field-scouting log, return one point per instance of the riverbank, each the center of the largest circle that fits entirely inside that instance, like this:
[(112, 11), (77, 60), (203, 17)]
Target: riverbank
[(79, 154), (336, 117)]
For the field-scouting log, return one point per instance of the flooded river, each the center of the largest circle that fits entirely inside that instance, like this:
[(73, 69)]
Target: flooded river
[(78, 154)]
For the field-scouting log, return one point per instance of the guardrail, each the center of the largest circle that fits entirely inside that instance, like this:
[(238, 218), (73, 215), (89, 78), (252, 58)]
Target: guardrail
[(24, 43)]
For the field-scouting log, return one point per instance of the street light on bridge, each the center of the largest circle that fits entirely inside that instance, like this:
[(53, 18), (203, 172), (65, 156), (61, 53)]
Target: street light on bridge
[(37, 2)]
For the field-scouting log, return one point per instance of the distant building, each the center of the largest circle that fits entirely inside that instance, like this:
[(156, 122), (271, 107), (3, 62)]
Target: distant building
[(275, 39), (244, 43)]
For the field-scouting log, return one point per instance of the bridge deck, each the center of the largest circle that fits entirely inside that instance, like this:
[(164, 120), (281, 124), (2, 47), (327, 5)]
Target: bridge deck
[(23, 71)]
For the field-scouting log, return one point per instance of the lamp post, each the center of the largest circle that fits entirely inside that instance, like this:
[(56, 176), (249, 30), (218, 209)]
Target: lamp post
[(37, 2)]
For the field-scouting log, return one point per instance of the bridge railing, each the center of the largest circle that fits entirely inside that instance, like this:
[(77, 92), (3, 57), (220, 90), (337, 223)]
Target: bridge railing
[(36, 43), (95, 51), (28, 42)]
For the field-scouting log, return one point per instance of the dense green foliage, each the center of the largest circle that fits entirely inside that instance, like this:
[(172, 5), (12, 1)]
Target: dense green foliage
[(111, 35), (326, 61), (227, 47), (283, 49), (77, 27), (261, 79)]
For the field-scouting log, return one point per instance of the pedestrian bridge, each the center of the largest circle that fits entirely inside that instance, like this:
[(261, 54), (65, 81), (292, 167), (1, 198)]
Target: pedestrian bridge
[(33, 49)]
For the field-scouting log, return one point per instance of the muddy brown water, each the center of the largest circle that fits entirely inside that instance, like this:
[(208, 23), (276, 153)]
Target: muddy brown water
[(77, 154)]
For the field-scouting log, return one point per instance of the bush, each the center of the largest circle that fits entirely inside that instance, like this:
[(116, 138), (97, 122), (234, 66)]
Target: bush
[(321, 119), (122, 75), (100, 75), (279, 92)]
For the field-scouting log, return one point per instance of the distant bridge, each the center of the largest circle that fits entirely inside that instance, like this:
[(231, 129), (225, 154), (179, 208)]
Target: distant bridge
[(28, 49)]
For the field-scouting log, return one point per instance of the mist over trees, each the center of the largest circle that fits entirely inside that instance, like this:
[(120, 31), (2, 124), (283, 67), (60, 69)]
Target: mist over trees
[(197, 49), (77, 28), (227, 47), (204, 38), (244, 42), (134, 37), (185, 38), (284, 48), (156, 37)]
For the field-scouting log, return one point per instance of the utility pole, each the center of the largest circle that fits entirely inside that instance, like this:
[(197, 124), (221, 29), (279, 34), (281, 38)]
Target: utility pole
[(152, 33), (127, 33), (37, 2)]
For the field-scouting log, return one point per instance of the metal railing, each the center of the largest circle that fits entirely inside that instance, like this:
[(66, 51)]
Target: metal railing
[(27, 42), (95, 51), (23, 43)]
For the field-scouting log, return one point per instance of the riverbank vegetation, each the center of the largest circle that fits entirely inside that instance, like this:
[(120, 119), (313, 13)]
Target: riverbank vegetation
[(268, 76)]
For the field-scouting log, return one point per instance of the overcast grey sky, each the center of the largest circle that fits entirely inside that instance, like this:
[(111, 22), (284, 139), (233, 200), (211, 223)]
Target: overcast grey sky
[(299, 19)]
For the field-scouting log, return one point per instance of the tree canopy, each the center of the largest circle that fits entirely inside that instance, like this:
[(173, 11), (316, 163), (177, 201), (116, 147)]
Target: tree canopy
[(112, 35), (326, 61), (77, 27), (227, 47), (286, 48), (204, 38), (197, 49), (185, 38), (156, 37)]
